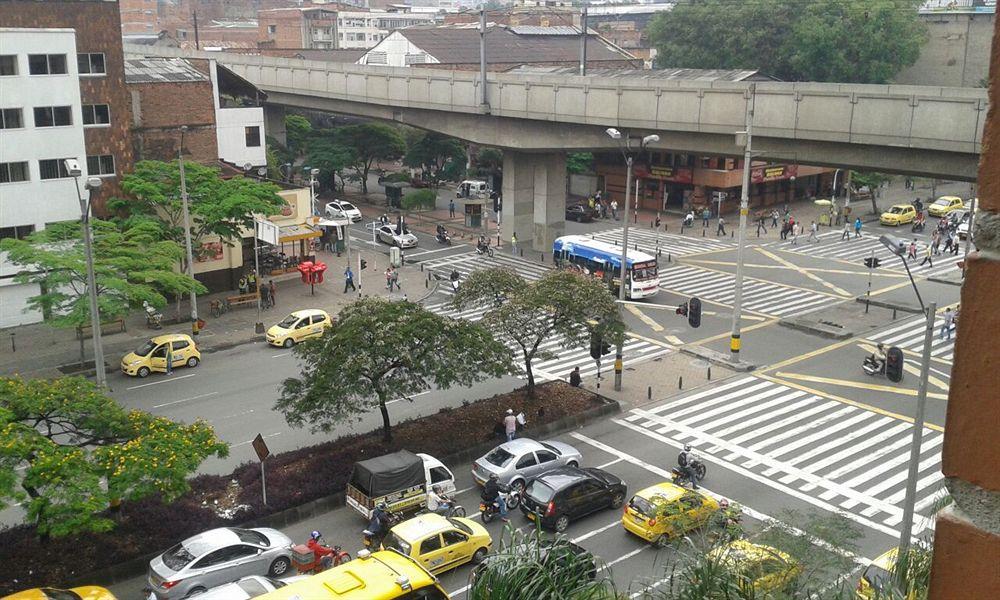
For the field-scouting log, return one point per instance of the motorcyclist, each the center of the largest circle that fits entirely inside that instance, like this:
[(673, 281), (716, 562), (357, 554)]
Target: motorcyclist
[(689, 219), (438, 502), (379, 522), (441, 232), (684, 462), (481, 244), (492, 493), (455, 275), (323, 553), (879, 357)]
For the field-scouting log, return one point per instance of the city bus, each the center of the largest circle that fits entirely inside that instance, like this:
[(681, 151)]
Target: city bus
[(603, 260)]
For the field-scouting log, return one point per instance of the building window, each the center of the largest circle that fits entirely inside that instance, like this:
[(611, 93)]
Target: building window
[(10, 118), (8, 64), (53, 116), (253, 136), (101, 165), (19, 232), (96, 114), (53, 168), (91, 63), (13, 172), (47, 64), (272, 29)]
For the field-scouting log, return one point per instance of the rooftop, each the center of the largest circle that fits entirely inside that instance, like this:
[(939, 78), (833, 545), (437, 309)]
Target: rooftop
[(663, 74), (161, 70)]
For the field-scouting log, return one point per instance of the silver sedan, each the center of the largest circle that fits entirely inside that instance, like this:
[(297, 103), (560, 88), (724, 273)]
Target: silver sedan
[(392, 236), (216, 557), (517, 461)]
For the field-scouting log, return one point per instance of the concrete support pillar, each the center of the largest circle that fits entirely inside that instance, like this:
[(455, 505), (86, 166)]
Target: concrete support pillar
[(534, 198), (274, 123)]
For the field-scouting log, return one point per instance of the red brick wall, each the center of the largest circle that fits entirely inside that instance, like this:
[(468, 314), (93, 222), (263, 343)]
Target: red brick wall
[(157, 122), (98, 29)]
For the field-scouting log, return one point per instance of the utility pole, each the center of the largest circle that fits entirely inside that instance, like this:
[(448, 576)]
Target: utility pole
[(583, 41), (482, 56), (187, 233), (734, 340), (88, 248), (624, 266)]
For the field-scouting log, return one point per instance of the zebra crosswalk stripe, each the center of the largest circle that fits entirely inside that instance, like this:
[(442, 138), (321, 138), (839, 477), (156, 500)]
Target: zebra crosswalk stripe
[(909, 335), (856, 250), (649, 241)]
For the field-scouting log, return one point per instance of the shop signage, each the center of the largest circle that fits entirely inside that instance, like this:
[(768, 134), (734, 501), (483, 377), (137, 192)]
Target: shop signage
[(772, 173), (675, 174)]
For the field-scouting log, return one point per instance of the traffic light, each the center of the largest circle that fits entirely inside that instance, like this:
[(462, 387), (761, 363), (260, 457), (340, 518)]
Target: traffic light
[(894, 364), (364, 264), (872, 262), (694, 312), (598, 347)]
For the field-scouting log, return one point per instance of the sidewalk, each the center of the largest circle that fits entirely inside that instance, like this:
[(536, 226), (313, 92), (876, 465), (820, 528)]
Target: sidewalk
[(41, 350)]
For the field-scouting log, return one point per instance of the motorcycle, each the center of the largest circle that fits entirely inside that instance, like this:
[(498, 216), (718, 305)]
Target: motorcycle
[(154, 319), (372, 540), (443, 238), (917, 227), (305, 562), (455, 510), (695, 467), (489, 510), (482, 249), (872, 367)]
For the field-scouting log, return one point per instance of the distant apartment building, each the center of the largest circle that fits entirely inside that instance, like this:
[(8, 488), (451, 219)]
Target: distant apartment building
[(41, 125), (331, 27)]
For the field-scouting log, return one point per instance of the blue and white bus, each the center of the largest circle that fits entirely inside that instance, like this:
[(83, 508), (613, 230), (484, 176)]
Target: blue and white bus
[(603, 260)]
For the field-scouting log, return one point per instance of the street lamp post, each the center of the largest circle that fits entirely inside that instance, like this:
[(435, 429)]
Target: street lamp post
[(627, 153), (91, 184), (734, 340), (312, 190), (896, 246), (187, 232)]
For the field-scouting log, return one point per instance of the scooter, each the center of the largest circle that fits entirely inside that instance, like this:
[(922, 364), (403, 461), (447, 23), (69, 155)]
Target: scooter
[(917, 227), (154, 318), (484, 249), (872, 367), (305, 560), (489, 510)]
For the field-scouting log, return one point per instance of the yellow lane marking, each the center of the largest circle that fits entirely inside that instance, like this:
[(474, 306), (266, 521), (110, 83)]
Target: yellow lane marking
[(849, 402), (784, 285), (649, 321), (648, 339), (721, 263), (795, 267), (892, 287), (910, 368), (858, 385), (673, 339), (725, 336), (707, 301), (806, 356)]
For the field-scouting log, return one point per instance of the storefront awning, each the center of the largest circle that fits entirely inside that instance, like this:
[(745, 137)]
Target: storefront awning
[(294, 233)]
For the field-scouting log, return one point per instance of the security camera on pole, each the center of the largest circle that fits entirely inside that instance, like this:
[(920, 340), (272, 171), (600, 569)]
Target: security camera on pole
[(734, 340), (626, 149)]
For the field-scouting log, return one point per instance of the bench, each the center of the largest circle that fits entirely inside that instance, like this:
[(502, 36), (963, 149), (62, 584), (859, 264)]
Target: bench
[(85, 331), (242, 300)]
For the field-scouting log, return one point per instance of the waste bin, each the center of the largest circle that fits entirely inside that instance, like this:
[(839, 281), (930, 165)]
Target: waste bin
[(396, 256), (474, 216)]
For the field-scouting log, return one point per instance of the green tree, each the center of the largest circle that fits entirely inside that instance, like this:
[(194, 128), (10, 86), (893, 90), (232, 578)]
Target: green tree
[(490, 159), (871, 180), (326, 153), (277, 154), (420, 199), (579, 162), (526, 314), (851, 41), (372, 142), (297, 132), (382, 351), (132, 265), (81, 453), (433, 152)]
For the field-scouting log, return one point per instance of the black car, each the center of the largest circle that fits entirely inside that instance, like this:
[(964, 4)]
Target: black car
[(579, 213), (561, 495)]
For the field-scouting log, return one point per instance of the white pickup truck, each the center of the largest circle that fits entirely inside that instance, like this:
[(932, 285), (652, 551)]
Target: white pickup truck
[(400, 479)]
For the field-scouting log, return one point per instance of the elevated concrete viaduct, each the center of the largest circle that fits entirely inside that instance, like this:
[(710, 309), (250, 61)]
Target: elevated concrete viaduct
[(925, 131)]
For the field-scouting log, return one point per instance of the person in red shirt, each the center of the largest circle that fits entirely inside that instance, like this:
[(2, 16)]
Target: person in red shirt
[(323, 554)]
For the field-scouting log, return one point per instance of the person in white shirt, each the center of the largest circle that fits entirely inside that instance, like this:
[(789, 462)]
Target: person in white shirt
[(438, 502)]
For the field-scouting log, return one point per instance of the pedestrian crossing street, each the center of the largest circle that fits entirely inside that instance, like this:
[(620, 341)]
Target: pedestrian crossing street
[(468, 262), (758, 295), (855, 251), (842, 457), (674, 244), (909, 335)]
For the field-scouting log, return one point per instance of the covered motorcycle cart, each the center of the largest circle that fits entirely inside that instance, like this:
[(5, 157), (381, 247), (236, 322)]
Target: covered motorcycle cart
[(398, 479)]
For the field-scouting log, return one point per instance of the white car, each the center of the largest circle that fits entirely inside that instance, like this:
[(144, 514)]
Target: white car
[(390, 235), (248, 587), (340, 209)]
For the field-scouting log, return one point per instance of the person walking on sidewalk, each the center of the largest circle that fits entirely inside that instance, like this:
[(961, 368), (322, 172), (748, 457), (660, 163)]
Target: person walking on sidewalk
[(846, 234), (170, 359), (574, 377), (936, 243), (265, 297), (774, 218), (388, 278), (721, 229), (451, 209), (796, 229), (927, 257), (510, 425), (857, 227), (953, 236), (706, 214), (614, 209), (273, 291), (349, 279), (513, 243), (946, 324), (813, 228), (912, 252), (760, 225)]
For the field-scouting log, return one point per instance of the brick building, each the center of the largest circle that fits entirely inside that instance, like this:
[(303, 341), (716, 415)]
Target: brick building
[(157, 86), (106, 106)]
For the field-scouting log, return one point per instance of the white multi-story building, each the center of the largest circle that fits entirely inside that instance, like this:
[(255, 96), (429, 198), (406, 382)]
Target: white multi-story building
[(239, 118), (41, 125), (363, 30)]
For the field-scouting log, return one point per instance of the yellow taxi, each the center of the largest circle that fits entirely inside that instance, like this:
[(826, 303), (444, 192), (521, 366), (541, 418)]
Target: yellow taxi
[(769, 569), (152, 355), (298, 326), (899, 214), (877, 577), (665, 510), (440, 543), (86, 592), (371, 576), (944, 205)]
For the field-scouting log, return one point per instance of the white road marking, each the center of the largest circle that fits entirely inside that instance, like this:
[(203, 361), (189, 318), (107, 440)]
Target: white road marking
[(270, 435), (280, 354), (198, 397), (135, 387)]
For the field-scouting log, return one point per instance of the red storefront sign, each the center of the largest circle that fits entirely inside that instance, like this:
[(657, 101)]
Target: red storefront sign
[(674, 174), (773, 173)]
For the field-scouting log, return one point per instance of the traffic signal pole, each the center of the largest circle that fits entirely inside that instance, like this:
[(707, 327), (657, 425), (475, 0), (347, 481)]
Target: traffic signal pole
[(734, 340), (868, 294), (624, 269)]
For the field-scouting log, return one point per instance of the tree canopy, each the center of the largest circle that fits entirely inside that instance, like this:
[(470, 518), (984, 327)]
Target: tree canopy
[(526, 314), (297, 131), (82, 452), (326, 152), (371, 142), (381, 351), (850, 41), (433, 152)]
